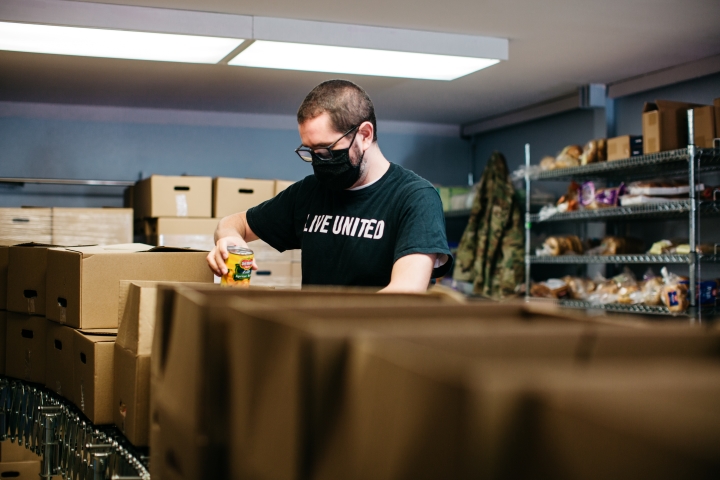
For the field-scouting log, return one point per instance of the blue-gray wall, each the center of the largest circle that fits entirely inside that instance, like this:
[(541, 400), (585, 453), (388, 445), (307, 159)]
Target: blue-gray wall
[(77, 149)]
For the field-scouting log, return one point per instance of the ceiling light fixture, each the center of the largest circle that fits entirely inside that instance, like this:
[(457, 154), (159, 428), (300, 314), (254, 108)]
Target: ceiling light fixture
[(358, 61), (93, 42)]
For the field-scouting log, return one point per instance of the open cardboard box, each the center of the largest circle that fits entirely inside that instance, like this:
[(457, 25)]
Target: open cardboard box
[(27, 272), (665, 125), (82, 291), (415, 410)]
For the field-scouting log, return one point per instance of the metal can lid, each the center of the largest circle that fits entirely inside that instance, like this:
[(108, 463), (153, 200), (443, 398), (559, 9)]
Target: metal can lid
[(239, 250)]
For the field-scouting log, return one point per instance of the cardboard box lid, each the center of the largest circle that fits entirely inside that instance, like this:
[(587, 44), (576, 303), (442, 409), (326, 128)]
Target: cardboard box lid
[(669, 105)]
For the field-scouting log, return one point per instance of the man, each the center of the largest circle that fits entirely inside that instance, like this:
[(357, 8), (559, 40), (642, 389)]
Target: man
[(359, 220)]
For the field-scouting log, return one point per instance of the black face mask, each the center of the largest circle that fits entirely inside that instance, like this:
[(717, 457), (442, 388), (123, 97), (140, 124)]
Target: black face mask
[(339, 173)]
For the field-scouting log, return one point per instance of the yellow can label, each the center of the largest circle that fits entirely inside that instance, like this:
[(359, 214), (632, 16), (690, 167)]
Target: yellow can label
[(239, 270)]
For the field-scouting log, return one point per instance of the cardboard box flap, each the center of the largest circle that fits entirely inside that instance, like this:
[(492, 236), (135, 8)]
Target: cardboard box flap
[(667, 105), (173, 250), (99, 332), (121, 248), (94, 337)]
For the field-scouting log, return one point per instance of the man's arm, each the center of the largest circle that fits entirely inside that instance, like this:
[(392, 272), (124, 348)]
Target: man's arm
[(411, 273), (231, 230)]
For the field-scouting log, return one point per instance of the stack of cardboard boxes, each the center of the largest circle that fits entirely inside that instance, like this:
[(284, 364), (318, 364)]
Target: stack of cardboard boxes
[(351, 385), (61, 322), (184, 212), (65, 226)]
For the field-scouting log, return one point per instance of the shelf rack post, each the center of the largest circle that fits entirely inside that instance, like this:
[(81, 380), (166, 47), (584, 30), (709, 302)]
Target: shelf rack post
[(692, 221), (528, 225)]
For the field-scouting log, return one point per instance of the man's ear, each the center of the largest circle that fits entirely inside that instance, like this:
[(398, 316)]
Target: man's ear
[(368, 132)]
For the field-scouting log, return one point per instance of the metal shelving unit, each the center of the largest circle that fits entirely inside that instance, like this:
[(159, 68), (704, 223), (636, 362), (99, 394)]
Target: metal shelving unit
[(687, 162)]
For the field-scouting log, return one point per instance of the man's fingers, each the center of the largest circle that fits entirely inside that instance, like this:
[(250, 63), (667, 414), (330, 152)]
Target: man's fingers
[(220, 262), (254, 265), (211, 262)]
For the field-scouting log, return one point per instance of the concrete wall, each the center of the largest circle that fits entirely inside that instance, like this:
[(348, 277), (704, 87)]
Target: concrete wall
[(124, 144)]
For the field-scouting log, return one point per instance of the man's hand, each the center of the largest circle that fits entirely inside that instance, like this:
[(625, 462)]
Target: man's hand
[(231, 231)]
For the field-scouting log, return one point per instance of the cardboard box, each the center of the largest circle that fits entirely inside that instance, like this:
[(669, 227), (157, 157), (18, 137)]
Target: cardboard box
[(196, 233), (23, 225), (13, 452), (704, 126), (131, 395), (27, 266), (277, 274), (83, 290), (281, 185), (4, 252), (92, 226), (25, 347), (665, 125), (620, 148), (59, 358), (234, 195), (161, 196), (20, 470), (93, 376), (3, 340)]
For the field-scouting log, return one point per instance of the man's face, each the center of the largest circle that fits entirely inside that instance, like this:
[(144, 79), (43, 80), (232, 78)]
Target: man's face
[(318, 132)]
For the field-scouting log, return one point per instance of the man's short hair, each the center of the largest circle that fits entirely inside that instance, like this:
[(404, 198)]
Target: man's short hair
[(347, 104)]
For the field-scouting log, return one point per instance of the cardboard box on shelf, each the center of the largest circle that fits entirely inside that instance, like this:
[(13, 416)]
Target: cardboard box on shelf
[(277, 274), (20, 470), (233, 195), (24, 225), (704, 126), (197, 233), (665, 125), (27, 267), (3, 340), (25, 347), (626, 146), (165, 196), (4, 252), (93, 376), (13, 452), (83, 288), (59, 358), (281, 185), (92, 226)]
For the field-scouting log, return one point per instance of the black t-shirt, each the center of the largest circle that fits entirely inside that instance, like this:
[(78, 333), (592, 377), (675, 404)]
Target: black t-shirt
[(355, 237)]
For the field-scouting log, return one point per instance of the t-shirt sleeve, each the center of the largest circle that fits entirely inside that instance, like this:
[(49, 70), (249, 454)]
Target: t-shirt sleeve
[(274, 220), (422, 228)]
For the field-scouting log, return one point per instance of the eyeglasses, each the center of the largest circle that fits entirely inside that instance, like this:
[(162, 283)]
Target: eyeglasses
[(324, 153)]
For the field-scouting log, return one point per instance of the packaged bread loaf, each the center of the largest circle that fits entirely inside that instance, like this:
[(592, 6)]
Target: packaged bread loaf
[(579, 287), (562, 245), (651, 291), (620, 245), (569, 157), (594, 151), (547, 163), (675, 297), (551, 288)]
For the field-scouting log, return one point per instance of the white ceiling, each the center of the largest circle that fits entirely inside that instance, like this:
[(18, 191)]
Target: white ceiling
[(555, 46)]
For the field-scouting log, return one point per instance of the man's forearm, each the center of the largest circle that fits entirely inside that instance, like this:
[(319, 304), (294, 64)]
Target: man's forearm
[(231, 226)]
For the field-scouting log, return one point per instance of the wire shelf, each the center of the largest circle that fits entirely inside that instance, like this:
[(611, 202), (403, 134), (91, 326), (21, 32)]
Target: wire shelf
[(676, 209), (670, 163), (621, 308), (599, 259)]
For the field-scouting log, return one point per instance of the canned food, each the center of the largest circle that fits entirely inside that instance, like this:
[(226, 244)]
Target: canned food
[(239, 265)]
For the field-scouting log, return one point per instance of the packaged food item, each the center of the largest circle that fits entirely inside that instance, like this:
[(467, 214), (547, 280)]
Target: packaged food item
[(629, 200), (675, 297), (562, 245), (571, 200), (619, 246), (569, 157), (547, 163), (580, 288), (680, 246), (592, 198), (661, 188), (594, 151), (551, 288), (651, 289), (239, 265)]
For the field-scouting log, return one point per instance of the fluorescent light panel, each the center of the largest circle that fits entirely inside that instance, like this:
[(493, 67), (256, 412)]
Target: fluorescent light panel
[(91, 42), (359, 61)]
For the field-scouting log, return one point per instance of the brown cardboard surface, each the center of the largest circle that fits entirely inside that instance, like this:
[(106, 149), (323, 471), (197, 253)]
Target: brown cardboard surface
[(27, 266), (281, 185), (83, 290), (136, 316), (20, 470), (92, 226), (59, 357), (3, 340), (234, 195), (166, 196), (131, 395), (195, 233), (265, 253), (93, 376), (716, 104), (4, 250), (13, 452), (25, 347), (619, 148), (26, 224), (665, 125), (277, 274), (704, 126)]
